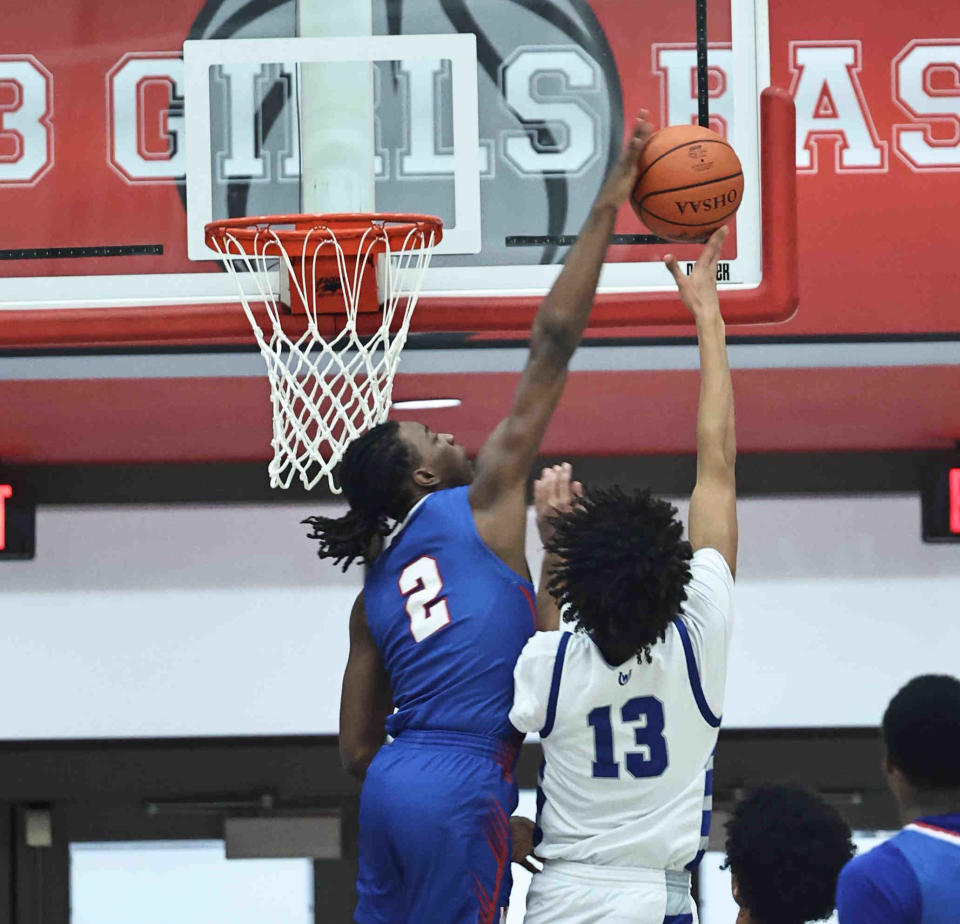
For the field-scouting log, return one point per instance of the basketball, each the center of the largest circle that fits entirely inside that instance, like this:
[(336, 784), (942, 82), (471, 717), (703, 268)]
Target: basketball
[(690, 183)]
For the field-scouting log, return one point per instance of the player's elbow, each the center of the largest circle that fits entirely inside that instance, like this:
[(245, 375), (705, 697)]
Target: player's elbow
[(552, 342), (729, 455), (716, 456), (356, 759)]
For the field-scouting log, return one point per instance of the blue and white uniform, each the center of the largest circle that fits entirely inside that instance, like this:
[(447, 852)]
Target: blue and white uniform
[(626, 787), (449, 618), (914, 878)]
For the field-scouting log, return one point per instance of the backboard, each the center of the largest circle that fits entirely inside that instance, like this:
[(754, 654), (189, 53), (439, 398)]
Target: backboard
[(501, 117), (93, 182)]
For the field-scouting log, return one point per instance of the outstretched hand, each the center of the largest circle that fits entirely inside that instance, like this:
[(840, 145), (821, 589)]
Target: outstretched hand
[(622, 178), (699, 290), (554, 492)]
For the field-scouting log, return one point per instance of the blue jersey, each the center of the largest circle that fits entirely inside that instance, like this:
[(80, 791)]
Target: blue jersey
[(914, 878), (450, 619)]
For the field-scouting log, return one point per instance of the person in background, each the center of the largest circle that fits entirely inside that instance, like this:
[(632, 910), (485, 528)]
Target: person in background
[(785, 849), (914, 878)]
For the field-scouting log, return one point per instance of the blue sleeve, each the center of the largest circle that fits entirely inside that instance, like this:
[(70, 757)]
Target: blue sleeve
[(879, 887)]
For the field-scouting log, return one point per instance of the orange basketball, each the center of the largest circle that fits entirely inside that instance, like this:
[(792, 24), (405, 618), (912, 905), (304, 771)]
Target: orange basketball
[(690, 183)]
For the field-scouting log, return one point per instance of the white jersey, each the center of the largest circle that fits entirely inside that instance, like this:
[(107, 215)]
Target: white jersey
[(627, 778)]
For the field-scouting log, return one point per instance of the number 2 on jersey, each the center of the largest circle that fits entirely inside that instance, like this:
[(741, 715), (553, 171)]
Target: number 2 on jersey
[(652, 759), (421, 584)]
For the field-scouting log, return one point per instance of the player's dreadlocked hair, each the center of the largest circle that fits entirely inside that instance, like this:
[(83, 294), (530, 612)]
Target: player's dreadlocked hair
[(786, 847), (623, 566), (373, 476)]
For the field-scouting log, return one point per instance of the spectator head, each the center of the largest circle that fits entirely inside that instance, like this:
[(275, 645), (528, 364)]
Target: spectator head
[(785, 849), (921, 736)]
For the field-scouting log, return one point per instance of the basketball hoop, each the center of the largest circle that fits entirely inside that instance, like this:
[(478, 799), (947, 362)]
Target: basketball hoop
[(331, 369)]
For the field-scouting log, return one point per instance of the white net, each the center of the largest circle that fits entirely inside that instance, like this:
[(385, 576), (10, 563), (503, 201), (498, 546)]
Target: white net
[(327, 387)]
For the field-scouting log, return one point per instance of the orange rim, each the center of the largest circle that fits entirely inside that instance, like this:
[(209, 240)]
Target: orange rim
[(347, 228)]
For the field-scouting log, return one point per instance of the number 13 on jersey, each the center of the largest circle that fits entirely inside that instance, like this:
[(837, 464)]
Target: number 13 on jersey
[(645, 714), (421, 584)]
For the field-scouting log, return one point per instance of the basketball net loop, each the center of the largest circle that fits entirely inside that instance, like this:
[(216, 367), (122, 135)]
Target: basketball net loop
[(326, 388)]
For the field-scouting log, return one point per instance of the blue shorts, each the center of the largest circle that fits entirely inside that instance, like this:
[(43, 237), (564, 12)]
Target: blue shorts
[(435, 842)]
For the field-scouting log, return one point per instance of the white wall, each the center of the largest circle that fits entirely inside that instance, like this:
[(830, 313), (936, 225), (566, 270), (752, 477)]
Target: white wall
[(153, 621), (220, 620), (839, 603)]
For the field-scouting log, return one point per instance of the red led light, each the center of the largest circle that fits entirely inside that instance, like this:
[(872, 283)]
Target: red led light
[(6, 491), (954, 478)]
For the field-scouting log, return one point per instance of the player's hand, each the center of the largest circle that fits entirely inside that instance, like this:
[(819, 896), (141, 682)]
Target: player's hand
[(554, 492), (699, 290), (620, 181), (521, 830)]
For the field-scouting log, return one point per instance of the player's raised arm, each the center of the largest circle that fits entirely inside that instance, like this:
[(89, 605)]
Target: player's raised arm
[(554, 493), (497, 494), (366, 699), (712, 522)]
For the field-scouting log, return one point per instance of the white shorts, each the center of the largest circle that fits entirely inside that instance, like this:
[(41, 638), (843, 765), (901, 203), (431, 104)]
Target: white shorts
[(568, 892)]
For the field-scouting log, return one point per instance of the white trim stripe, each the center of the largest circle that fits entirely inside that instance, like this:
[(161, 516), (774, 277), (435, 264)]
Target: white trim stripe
[(498, 359), (941, 834), (402, 525)]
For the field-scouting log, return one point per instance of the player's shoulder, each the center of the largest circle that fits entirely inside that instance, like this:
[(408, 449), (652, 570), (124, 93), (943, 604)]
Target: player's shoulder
[(710, 563), (446, 510), (879, 887), (557, 647), (711, 580), (866, 863), (442, 502), (536, 677), (883, 867), (545, 645)]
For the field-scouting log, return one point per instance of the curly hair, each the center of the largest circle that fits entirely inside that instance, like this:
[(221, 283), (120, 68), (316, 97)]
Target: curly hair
[(921, 730), (622, 568), (786, 848), (373, 475)]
